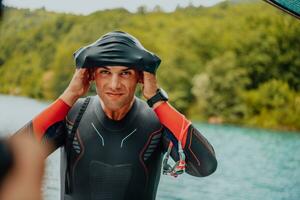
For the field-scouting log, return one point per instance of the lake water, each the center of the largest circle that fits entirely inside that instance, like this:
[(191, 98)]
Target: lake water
[(253, 164)]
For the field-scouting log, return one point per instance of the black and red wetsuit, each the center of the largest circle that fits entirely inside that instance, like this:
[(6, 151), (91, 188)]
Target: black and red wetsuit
[(115, 160)]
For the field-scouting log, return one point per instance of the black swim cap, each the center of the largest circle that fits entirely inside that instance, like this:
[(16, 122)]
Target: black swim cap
[(117, 48)]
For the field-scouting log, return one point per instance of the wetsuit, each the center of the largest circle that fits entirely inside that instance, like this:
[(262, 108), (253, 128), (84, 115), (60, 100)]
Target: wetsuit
[(116, 159)]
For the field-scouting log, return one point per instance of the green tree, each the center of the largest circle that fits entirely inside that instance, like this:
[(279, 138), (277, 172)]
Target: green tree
[(273, 105), (218, 89)]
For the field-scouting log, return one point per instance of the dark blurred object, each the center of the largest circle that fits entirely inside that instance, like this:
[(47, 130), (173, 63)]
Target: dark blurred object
[(289, 6), (1, 9), (6, 159), (23, 179)]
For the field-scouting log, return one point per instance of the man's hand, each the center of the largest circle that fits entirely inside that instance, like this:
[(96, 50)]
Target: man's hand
[(78, 86), (150, 85)]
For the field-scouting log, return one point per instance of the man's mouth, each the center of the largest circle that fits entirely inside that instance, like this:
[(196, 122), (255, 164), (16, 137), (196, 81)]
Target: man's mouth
[(114, 94)]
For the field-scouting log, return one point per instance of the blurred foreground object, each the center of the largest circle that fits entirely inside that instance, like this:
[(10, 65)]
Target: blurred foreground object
[(24, 179), (289, 6), (1, 9)]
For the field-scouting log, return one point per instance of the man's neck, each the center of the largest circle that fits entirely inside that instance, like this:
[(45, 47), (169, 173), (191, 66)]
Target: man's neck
[(119, 114)]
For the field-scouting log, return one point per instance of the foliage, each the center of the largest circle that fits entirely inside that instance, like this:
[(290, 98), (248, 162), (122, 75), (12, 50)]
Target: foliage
[(235, 61), (273, 105), (218, 89)]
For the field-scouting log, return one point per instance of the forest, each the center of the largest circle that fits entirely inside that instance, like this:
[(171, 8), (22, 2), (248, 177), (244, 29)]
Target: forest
[(233, 63)]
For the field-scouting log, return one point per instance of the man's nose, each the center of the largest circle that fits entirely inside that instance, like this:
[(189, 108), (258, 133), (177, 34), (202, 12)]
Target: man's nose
[(115, 82)]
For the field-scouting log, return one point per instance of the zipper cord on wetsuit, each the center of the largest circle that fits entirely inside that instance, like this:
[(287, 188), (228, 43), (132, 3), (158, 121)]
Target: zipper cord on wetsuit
[(69, 143), (179, 167)]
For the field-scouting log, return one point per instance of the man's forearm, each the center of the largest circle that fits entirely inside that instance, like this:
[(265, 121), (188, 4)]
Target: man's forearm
[(56, 112), (69, 97), (173, 120), (200, 155)]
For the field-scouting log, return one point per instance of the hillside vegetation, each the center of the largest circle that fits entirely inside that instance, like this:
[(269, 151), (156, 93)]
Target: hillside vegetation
[(232, 63)]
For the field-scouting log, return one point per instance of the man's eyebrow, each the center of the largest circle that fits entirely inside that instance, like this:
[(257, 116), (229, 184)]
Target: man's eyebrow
[(127, 69), (108, 68), (104, 68)]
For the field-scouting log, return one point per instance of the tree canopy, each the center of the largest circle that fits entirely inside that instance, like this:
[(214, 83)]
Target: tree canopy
[(232, 63)]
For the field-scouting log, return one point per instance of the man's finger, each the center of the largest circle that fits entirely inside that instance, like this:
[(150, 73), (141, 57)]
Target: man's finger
[(148, 75)]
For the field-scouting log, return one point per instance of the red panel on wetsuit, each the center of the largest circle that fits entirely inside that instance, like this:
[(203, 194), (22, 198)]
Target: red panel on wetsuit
[(56, 112), (173, 120)]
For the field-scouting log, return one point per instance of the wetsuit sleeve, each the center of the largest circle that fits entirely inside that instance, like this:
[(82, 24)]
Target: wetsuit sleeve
[(49, 125), (173, 120), (52, 115), (200, 155)]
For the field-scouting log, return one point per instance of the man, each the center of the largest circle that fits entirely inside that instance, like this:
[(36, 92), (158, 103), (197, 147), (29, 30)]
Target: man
[(113, 143)]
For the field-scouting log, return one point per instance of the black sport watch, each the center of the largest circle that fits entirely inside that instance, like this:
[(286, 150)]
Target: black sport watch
[(160, 95)]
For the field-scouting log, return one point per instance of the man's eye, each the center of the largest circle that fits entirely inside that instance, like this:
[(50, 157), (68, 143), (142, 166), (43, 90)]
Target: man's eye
[(126, 73)]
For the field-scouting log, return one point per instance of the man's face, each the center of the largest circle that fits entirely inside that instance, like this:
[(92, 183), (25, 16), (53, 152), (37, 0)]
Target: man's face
[(116, 86)]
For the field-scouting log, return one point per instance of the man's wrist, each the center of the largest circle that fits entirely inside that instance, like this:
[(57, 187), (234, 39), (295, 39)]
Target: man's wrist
[(69, 98), (157, 104), (160, 96), (149, 96)]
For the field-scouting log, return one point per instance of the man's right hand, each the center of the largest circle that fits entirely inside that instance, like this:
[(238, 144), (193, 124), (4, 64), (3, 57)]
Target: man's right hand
[(78, 86)]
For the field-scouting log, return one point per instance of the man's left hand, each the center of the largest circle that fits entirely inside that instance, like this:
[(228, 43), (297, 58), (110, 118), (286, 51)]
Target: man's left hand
[(150, 85)]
